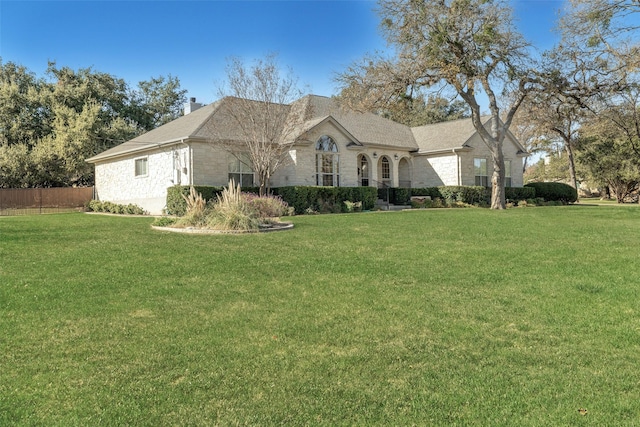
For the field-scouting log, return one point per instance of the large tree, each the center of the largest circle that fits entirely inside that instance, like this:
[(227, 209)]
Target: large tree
[(471, 46), (23, 115), (609, 147), (49, 126), (158, 101), (603, 77), (260, 91)]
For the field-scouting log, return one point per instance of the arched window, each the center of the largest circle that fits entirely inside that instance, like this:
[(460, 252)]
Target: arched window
[(363, 171), (327, 162), (385, 169)]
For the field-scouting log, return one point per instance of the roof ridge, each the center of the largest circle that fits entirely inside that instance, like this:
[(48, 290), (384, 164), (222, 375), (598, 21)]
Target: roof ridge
[(215, 108)]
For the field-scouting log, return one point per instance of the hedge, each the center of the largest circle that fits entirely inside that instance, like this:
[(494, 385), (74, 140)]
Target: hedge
[(331, 199), (471, 195), (326, 199), (554, 191), (301, 198), (516, 194)]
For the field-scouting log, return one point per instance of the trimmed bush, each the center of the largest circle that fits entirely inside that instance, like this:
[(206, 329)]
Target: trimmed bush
[(433, 192), (520, 193), (472, 195), (326, 199), (554, 191), (400, 196), (115, 208)]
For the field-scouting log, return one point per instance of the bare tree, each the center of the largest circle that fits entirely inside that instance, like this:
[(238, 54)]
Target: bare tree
[(470, 45), (257, 105)]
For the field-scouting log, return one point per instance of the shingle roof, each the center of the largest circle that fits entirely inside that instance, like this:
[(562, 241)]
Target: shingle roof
[(182, 128), (215, 121), (210, 122), (444, 136), (367, 128)]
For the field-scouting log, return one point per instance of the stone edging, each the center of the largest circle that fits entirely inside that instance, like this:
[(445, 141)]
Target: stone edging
[(191, 230)]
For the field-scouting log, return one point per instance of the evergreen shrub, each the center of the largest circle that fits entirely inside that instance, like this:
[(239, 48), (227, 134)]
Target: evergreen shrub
[(326, 199), (472, 195), (433, 192), (517, 194), (554, 191), (115, 208), (300, 198)]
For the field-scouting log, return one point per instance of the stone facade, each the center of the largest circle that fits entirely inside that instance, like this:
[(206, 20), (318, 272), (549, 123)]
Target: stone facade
[(369, 150)]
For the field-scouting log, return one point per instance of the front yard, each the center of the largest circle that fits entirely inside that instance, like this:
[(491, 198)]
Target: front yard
[(425, 317)]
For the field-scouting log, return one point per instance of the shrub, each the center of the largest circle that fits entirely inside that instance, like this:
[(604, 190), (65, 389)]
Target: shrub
[(433, 192), (267, 206), (176, 204), (196, 209), (554, 191), (164, 221), (326, 199), (398, 195), (472, 195), (353, 206), (109, 207), (518, 194), (232, 211)]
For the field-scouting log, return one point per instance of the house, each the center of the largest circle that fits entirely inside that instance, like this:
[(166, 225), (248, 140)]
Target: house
[(330, 146)]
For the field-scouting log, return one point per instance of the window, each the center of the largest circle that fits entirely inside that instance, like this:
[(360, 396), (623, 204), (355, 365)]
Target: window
[(142, 166), (240, 171), (385, 171), (363, 171), (507, 173), (480, 172), (327, 162)]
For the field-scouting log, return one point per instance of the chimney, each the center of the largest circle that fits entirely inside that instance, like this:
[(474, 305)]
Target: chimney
[(191, 106)]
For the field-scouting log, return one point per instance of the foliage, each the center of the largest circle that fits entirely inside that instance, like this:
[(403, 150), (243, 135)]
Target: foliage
[(158, 101), (176, 204), (340, 321), (267, 206), (433, 192), (115, 208), (469, 45), (49, 127), (609, 148), (196, 210), (554, 191), (326, 199), (472, 195), (232, 211), (552, 168), (609, 162), (352, 206), (164, 221), (228, 208), (517, 194)]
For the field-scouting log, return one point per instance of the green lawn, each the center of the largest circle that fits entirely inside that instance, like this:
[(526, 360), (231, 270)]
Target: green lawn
[(432, 317)]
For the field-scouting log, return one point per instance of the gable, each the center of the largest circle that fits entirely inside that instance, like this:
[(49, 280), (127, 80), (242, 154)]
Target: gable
[(458, 135), (366, 128)]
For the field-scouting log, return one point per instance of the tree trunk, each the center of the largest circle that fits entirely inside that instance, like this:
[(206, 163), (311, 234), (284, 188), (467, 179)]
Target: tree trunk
[(572, 166), (498, 199)]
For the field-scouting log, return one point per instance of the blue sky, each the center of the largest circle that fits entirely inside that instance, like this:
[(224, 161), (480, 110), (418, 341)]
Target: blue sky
[(137, 40)]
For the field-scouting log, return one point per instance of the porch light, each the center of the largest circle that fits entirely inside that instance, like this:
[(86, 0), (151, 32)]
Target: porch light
[(395, 156), (375, 155)]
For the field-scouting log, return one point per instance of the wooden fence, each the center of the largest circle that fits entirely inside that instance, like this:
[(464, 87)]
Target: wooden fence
[(25, 201)]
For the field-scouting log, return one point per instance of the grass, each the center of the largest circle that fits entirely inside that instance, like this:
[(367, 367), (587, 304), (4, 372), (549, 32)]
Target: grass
[(431, 317)]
